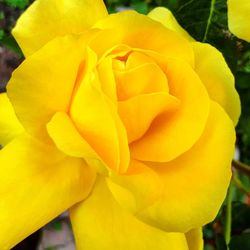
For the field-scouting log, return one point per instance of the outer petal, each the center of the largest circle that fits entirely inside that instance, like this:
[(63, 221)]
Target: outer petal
[(196, 182), (72, 143), (217, 77), (238, 18), (37, 183), (195, 239), (165, 16), (140, 31), (47, 19), (100, 223), (10, 127), (44, 82)]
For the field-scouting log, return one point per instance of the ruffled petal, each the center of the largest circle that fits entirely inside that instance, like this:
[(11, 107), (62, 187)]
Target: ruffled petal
[(37, 183), (43, 84), (47, 19), (136, 189), (195, 184), (217, 78), (165, 17), (10, 127), (100, 223)]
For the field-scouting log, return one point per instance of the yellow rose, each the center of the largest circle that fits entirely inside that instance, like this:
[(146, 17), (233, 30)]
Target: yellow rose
[(126, 121), (238, 18)]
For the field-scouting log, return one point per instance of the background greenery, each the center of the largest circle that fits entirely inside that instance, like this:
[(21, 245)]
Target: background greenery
[(231, 228)]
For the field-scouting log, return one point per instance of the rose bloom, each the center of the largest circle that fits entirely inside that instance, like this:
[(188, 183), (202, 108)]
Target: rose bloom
[(238, 18), (123, 119)]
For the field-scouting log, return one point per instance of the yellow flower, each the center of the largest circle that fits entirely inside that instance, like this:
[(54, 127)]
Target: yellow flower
[(126, 121), (238, 18)]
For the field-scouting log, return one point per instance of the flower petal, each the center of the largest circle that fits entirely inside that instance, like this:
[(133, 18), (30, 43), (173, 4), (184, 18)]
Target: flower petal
[(100, 223), (143, 79), (43, 84), (107, 78), (47, 19), (195, 184), (138, 112), (217, 78), (140, 31), (238, 18), (37, 183), (10, 127), (72, 143), (142, 184), (170, 135), (195, 239), (100, 125), (165, 17)]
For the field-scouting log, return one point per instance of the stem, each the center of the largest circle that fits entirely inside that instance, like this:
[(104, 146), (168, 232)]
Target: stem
[(241, 167), (209, 20), (228, 223)]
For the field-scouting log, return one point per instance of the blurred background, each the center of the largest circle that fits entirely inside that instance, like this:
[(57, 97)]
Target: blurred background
[(234, 216)]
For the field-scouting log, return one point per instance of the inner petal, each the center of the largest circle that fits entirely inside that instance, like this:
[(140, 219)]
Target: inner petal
[(138, 112), (137, 58), (145, 78), (170, 136)]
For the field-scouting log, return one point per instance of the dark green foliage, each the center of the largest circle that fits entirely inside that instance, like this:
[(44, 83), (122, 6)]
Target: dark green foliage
[(240, 218), (240, 242), (220, 242), (21, 4)]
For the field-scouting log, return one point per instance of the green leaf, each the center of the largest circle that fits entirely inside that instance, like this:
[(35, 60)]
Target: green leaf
[(200, 18), (1, 15), (21, 4), (50, 248), (1, 34), (57, 225), (170, 4), (10, 43), (140, 7), (206, 21)]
